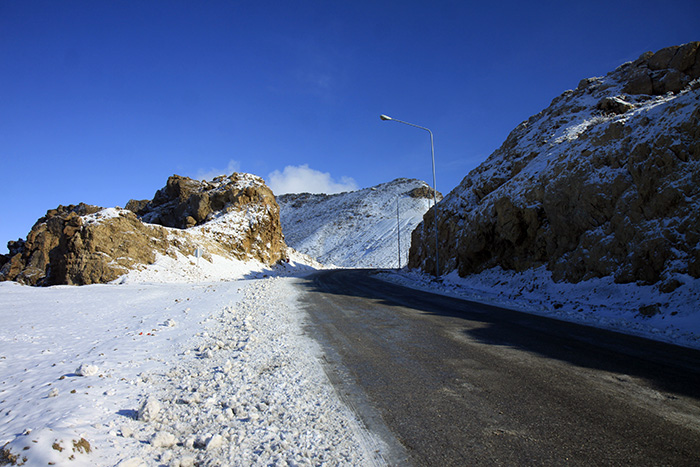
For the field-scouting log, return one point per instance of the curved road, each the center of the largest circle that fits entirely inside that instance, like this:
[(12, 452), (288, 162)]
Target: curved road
[(461, 383)]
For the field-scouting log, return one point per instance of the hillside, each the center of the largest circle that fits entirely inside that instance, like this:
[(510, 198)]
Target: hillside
[(356, 229), (231, 218), (605, 182)]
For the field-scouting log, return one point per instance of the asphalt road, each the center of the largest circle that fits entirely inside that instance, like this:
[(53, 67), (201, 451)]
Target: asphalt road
[(450, 382)]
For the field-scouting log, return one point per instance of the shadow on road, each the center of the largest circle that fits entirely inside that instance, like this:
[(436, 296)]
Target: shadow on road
[(666, 367)]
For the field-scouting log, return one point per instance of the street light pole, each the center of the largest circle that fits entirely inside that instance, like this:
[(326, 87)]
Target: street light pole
[(432, 154), (398, 228)]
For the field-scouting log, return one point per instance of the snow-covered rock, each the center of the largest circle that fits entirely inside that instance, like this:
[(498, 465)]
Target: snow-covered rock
[(358, 228), (149, 409), (163, 439), (233, 217), (605, 182), (85, 369)]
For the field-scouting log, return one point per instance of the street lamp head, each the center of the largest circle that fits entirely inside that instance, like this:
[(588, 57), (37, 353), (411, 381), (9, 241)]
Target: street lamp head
[(385, 117)]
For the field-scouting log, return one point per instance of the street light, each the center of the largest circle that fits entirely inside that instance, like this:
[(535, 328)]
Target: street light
[(432, 153), (398, 228)]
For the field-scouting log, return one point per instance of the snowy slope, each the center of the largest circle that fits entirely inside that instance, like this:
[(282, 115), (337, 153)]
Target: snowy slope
[(590, 210), (355, 229)]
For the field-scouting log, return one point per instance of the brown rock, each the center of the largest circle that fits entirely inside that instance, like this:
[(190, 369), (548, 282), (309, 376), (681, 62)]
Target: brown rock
[(639, 84), (685, 57), (620, 198), (137, 205), (424, 192), (65, 247), (668, 81), (615, 105), (661, 59), (648, 311)]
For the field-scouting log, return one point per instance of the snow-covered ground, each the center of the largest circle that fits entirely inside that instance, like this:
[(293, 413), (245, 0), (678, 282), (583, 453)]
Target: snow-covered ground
[(187, 363), (179, 364), (628, 308)]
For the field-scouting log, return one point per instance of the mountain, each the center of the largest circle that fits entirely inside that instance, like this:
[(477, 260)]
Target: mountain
[(358, 228), (233, 217), (605, 182)]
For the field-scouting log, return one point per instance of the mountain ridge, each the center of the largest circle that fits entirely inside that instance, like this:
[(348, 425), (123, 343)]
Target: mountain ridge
[(357, 228)]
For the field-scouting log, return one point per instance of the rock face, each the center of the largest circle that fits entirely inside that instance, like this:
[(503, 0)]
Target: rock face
[(604, 182), (238, 211), (359, 228), (86, 244), (83, 244)]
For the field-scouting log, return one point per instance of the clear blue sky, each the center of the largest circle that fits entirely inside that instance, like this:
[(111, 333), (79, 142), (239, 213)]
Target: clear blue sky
[(101, 101)]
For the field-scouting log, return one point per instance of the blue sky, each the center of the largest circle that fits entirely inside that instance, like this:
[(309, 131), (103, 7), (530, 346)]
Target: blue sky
[(101, 101)]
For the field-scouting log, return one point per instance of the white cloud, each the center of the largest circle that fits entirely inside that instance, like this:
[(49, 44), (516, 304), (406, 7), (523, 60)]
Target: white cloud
[(208, 174), (302, 179)]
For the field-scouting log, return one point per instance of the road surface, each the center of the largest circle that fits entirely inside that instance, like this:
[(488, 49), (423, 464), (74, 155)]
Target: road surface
[(451, 382)]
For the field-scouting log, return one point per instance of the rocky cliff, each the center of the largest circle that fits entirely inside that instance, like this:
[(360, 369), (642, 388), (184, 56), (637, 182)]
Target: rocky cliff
[(358, 228), (238, 211), (235, 217), (603, 182)]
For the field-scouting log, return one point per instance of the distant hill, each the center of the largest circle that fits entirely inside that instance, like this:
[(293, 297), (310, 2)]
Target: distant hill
[(603, 182), (356, 229)]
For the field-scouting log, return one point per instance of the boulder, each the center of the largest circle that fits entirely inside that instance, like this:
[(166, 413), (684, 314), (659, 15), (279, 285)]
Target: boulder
[(616, 105), (640, 83), (669, 70), (424, 192)]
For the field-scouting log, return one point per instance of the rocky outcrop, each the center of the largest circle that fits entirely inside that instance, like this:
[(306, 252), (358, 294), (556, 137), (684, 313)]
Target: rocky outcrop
[(604, 182), (424, 191), (86, 244), (668, 70), (238, 211), (184, 202), (83, 244)]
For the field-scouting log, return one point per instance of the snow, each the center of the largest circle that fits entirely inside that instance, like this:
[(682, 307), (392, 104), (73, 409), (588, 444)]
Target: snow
[(554, 137), (204, 362), (355, 229), (168, 269), (102, 215), (675, 316), (178, 364)]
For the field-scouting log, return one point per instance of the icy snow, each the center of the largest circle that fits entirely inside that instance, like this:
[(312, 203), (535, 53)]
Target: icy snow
[(178, 368), (102, 215)]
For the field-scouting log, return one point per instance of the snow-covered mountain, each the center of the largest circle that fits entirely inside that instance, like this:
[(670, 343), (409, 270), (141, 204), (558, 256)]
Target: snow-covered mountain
[(358, 228), (605, 182)]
